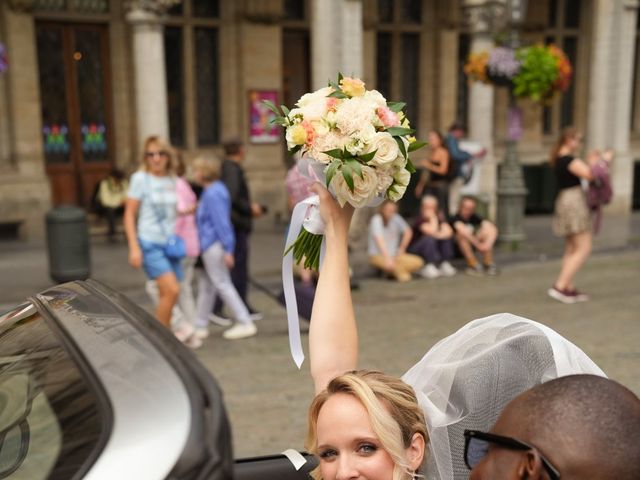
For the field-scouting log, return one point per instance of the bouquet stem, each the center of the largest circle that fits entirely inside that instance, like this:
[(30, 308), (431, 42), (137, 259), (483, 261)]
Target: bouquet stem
[(307, 247)]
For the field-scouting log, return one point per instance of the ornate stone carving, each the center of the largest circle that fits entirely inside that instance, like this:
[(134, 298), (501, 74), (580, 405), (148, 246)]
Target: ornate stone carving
[(158, 7)]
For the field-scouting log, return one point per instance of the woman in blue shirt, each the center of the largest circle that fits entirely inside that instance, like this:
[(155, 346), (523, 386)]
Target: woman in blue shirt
[(149, 221), (217, 244)]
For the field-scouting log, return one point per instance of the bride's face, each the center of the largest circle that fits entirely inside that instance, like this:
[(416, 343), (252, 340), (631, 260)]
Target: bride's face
[(347, 445)]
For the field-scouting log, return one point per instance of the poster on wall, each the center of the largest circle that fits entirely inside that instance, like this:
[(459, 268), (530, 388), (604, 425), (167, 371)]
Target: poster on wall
[(260, 130)]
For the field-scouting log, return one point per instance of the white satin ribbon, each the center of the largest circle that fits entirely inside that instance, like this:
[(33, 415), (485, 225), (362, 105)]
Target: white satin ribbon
[(304, 213)]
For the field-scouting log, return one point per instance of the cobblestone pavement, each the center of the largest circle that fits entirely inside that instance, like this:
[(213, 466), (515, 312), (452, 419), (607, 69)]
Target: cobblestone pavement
[(267, 396)]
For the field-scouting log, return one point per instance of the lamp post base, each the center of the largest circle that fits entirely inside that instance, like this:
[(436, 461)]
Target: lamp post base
[(511, 198)]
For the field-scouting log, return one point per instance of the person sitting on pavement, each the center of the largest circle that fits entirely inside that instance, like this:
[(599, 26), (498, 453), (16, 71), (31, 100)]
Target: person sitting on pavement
[(110, 198), (474, 232), (433, 240), (573, 427), (217, 243), (389, 237)]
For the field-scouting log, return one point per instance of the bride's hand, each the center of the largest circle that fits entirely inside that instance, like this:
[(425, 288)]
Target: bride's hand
[(336, 218)]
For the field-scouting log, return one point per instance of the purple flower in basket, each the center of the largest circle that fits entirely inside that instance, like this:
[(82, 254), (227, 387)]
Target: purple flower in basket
[(4, 64), (502, 63)]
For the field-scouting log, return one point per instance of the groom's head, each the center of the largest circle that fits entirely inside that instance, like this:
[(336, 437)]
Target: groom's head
[(580, 426)]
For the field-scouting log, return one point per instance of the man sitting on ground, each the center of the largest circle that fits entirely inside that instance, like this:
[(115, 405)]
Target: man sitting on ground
[(389, 237), (573, 427), (474, 232)]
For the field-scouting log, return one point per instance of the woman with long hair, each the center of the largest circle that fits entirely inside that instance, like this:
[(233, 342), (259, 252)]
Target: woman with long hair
[(571, 218), (434, 179), (149, 220)]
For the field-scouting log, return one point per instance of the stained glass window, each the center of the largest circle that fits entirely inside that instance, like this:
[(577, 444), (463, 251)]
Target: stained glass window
[(55, 123), (93, 118), (207, 85), (175, 92)]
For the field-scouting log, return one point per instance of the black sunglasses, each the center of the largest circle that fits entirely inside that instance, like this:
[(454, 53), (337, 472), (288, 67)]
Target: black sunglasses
[(476, 447), (161, 153)]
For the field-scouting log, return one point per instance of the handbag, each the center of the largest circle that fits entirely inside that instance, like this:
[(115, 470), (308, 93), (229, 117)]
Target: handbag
[(174, 248)]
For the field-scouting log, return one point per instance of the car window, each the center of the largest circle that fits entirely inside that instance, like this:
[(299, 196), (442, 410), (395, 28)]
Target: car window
[(50, 418)]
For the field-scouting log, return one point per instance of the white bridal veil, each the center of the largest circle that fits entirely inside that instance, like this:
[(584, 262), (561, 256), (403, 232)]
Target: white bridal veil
[(466, 379)]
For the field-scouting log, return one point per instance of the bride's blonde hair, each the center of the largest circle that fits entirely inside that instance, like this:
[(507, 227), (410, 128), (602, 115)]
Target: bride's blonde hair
[(392, 407)]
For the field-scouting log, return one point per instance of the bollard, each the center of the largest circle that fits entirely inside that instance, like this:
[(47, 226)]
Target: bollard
[(68, 244)]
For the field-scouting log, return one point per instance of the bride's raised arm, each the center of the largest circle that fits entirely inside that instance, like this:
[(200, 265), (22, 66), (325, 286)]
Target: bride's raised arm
[(333, 336)]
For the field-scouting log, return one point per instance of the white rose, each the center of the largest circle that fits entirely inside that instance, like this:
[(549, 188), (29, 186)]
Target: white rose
[(385, 180), (313, 97), (376, 97), (364, 188), (355, 114), (396, 192), (399, 162), (315, 110), (402, 177), (386, 149)]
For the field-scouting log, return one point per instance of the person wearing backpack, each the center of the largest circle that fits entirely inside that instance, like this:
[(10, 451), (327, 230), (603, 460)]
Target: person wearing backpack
[(437, 171)]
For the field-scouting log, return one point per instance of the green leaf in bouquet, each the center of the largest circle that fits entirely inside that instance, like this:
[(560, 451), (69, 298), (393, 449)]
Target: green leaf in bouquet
[(409, 166), (285, 110), (335, 86), (413, 146), (399, 131), (295, 149), (355, 166), (401, 146), (279, 121), (347, 173), (335, 153), (367, 157), (340, 77), (332, 169), (396, 106), (338, 94), (271, 106)]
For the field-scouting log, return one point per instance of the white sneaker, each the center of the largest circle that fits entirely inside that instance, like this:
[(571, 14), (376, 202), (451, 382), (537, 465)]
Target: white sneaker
[(430, 271), (240, 330), (256, 316), (183, 331), (219, 320), (201, 332), (193, 342), (447, 269)]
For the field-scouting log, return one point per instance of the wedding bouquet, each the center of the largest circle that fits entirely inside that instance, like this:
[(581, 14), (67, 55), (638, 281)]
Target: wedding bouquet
[(357, 141)]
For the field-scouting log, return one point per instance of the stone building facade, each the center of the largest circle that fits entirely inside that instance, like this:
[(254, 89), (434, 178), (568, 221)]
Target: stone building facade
[(88, 80)]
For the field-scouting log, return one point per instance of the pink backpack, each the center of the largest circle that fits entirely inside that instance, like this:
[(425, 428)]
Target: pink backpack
[(600, 191)]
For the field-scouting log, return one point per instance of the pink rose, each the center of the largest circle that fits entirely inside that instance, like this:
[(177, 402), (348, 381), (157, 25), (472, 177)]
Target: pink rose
[(332, 102), (387, 117)]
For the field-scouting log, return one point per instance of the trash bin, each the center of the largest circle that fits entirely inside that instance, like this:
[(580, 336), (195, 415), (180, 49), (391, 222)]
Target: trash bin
[(68, 244)]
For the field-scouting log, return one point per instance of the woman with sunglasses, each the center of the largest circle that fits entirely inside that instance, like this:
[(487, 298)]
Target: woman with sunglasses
[(149, 220)]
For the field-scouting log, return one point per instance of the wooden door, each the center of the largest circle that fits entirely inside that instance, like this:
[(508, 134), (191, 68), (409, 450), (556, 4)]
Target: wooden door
[(76, 108)]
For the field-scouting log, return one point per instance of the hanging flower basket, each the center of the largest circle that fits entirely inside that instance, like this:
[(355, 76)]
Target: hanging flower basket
[(535, 72)]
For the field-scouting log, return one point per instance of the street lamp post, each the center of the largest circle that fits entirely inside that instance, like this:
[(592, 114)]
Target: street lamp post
[(511, 189)]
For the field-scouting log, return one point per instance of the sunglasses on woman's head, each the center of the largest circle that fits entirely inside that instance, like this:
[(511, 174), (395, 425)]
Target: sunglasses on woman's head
[(161, 153), (476, 447)]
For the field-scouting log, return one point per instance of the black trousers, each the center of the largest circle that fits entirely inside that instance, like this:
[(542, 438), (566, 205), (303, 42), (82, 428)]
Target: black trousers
[(240, 270)]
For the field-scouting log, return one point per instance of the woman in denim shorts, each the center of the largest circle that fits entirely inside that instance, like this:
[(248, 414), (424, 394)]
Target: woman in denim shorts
[(149, 220)]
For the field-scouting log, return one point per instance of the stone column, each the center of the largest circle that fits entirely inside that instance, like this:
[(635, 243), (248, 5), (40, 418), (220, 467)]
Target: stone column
[(336, 40), (149, 70), (609, 114), (480, 121)]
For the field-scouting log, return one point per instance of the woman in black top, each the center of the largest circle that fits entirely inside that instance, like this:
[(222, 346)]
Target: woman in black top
[(571, 218), (434, 178)]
